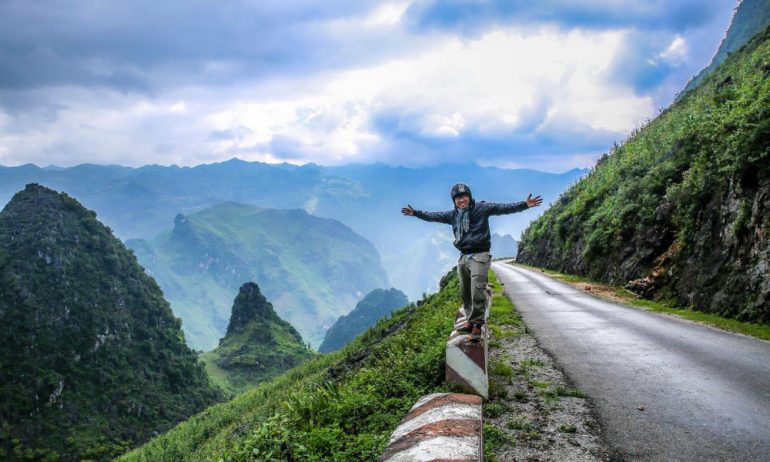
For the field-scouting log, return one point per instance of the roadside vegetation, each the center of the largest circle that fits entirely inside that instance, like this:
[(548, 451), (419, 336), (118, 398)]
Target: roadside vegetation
[(679, 211), (625, 296), (338, 407)]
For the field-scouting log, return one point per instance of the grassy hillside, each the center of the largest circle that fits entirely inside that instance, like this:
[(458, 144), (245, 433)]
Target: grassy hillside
[(681, 210), (339, 407)]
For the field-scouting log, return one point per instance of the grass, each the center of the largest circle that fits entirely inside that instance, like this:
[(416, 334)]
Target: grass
[(500, 368), (337, 407), (493, 410), (519, 423), (630, 299)]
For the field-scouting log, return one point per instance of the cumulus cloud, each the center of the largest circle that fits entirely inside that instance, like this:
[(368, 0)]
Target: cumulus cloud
[(546, 85)]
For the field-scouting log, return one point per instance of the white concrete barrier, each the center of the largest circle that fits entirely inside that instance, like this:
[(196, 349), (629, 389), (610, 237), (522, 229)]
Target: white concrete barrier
[(439, 427), (466, 360)]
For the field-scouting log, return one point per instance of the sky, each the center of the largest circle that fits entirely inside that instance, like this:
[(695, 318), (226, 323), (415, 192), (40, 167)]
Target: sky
[(546, 85)]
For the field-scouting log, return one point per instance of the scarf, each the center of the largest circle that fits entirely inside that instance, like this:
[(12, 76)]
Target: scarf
[(462, 223)]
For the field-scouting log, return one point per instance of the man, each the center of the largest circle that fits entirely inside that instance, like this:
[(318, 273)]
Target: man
[(470, 224)]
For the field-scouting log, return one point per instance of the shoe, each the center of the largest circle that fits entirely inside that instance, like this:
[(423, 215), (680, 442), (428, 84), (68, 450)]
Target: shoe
[(466, 328), (475, 334)]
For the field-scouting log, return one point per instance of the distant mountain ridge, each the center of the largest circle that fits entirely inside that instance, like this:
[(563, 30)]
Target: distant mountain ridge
[(140, 202), (258, 344), (751, 17), (375, 305), (312, 269), (92, 360)]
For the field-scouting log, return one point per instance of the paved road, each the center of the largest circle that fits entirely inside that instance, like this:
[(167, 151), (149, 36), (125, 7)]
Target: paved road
[(705, 393)]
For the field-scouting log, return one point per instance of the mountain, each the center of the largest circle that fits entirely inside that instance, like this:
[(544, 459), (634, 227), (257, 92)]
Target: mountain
[(258, 345), (92, 360), (312, 269), (504, 245), (401, 240), (377, 304), (751, 17), (681, 210), (138, 203), (342, 406)]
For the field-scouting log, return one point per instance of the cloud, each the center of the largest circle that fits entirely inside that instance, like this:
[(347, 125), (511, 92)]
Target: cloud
[(149, 46), (538, 84), (471, 17)]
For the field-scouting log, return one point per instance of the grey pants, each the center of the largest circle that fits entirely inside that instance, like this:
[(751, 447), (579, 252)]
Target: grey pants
[(473, 270)]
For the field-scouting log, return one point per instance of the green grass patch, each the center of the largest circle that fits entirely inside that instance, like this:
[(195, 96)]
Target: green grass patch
[(496, 439), (519, 423), (493, 410), (567, 428), (501, 310), (521, 396), (500, 368), (539, 384)]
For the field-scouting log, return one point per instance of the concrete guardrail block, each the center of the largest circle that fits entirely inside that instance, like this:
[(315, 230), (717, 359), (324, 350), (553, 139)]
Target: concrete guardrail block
[(439, 427)]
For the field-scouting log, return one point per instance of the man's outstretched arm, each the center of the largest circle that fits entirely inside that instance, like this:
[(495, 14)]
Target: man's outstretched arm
[(440, 217), (496, 208)]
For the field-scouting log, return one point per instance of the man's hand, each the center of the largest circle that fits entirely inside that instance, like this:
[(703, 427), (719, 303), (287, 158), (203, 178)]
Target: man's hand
[(408, 210), (534, 202)]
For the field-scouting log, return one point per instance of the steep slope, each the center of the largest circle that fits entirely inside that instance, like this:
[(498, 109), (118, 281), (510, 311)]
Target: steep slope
[(258, 344), (751, 17), (312, 269), (377, 304), (682, 208), (338, 407), (92, 360)]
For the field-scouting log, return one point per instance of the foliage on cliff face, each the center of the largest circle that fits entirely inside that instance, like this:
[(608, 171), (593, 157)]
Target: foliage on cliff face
[(338, 407), (681, 210), (258, 346), (92, 361)]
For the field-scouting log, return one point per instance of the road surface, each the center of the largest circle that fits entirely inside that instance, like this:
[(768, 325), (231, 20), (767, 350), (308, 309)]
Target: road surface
[(665, 389)]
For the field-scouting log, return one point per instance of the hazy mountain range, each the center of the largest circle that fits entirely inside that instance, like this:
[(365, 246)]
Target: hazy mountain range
[(140, 202), (312, 269)]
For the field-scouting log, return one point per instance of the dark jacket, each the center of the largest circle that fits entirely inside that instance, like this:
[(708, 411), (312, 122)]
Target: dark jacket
[(477, 238)]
